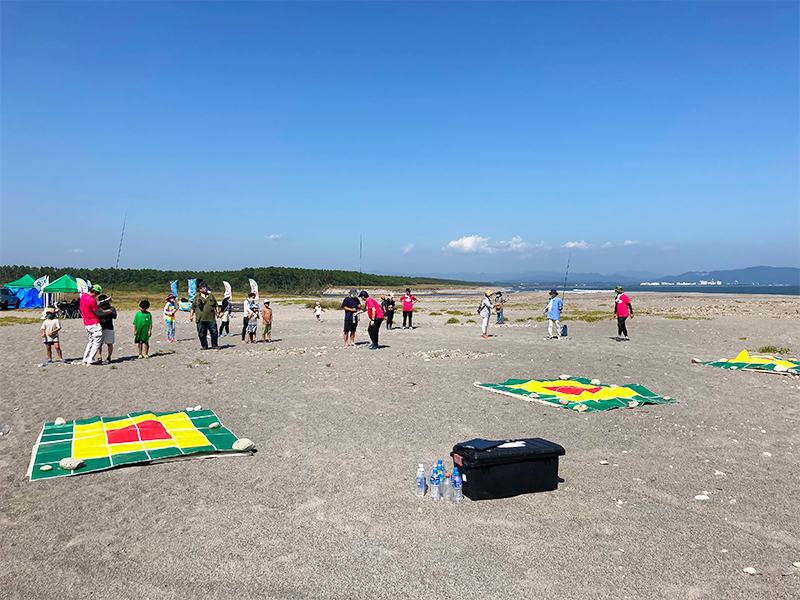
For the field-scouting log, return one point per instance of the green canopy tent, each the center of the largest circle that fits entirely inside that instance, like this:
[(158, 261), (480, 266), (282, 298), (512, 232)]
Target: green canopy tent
[(63, 285), (24, 282)]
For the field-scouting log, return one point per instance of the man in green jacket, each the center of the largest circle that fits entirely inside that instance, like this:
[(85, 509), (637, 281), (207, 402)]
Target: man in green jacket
[(205, 307)]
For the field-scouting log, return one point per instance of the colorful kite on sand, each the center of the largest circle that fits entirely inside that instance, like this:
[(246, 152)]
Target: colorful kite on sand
[(751, 362), (577, 393), (101, 443)]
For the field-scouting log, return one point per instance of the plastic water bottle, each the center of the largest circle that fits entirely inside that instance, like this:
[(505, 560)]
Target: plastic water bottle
[(447, 495), (458, 493), (435, 483), (420, 481)]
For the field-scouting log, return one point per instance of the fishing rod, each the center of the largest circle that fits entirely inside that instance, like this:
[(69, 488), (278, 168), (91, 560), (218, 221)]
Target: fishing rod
[(119, 251), (564, 291)]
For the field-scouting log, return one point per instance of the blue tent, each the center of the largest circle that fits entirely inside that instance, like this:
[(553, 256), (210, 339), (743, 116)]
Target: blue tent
[(29, 296)]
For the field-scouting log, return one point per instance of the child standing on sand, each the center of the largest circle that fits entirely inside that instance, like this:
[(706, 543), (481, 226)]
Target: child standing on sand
[(225, 317), (266, 314), (50, 329), (170, 309), (318, 310), (143, 328), (252, 324)]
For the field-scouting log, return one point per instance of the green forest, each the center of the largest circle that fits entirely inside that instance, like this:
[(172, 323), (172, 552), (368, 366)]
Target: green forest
[(284, 280)]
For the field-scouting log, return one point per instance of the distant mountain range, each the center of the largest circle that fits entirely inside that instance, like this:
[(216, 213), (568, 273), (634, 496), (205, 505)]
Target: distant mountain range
[(748, 276)]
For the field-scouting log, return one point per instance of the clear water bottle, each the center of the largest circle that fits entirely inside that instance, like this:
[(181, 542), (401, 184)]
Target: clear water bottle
[(458, 493), (420, 481), (447, 494), (435, 483)]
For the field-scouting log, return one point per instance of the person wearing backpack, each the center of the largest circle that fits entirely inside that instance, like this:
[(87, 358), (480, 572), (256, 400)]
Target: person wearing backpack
[(485, 311)]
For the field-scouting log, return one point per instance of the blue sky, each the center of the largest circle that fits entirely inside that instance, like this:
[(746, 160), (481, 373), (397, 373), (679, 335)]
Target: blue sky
[(456, 137)]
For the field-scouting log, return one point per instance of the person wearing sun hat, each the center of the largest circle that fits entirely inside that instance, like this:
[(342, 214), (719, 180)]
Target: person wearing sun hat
[(170, 310), (553, 312), (485, 311), (622, 310)]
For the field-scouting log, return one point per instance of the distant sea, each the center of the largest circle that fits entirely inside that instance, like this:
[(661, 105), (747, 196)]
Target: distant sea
[(785, 290)]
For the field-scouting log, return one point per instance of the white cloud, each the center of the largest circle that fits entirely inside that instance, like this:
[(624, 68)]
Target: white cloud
[(77, 251), (408, 248), (273, 236), (476, 243), (582, 245), (631, 242), (607, 245)]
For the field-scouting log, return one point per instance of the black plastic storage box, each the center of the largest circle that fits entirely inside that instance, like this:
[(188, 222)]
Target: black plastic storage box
[(500, 469)]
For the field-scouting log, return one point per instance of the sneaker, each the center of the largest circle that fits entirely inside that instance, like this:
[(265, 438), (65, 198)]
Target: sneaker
[(140, 356), (146, 356), (63, 360)]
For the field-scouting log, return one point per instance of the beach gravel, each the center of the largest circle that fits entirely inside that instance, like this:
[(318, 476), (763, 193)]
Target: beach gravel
[(325, 507)]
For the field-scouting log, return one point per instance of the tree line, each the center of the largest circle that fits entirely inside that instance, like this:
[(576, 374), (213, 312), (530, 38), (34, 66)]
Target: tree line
[(286, 280)]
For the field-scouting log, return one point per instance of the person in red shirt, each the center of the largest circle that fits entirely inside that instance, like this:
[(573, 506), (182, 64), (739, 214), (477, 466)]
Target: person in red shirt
[(91, 320), (622, 310), (375, 315), (408, 308)]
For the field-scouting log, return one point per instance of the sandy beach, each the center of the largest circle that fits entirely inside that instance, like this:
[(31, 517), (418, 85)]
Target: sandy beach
[(325, 508)]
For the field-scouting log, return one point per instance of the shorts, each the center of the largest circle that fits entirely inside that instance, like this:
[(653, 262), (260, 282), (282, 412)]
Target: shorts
[(350, 326), (143, 337), (108, 336), (51, 341), (266, 329)]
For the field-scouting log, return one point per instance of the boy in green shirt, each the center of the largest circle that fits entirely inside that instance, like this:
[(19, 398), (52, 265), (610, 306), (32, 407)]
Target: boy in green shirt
[(143, 328)]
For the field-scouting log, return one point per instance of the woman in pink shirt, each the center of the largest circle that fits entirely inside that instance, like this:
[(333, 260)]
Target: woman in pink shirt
[(623, 310), (375, 315), (408, 308)]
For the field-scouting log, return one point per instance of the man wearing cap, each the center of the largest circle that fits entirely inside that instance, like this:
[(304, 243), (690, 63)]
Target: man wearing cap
[(266, 322), (553, 312), (375, 315), (485, 311), (622, 310), (205, 306), (351, 307), (91, 321)]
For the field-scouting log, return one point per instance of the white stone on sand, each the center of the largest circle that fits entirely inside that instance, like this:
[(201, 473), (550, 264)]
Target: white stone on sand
[(60, 421), (243, 444)]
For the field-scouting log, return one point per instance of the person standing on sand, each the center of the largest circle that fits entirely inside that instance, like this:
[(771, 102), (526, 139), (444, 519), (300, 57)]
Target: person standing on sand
[(499, 300), (553, 312), (485, 311), (224, 317), (408, 308), (375, 315), (91, 322), (109, 313), (388, 309), (170, 310), (246, 307), (205, 305), (266, 328), (318, 310), (350, 306), (622, 310)]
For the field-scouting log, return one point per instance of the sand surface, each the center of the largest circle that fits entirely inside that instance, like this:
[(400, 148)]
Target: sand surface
[(325, 508)]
